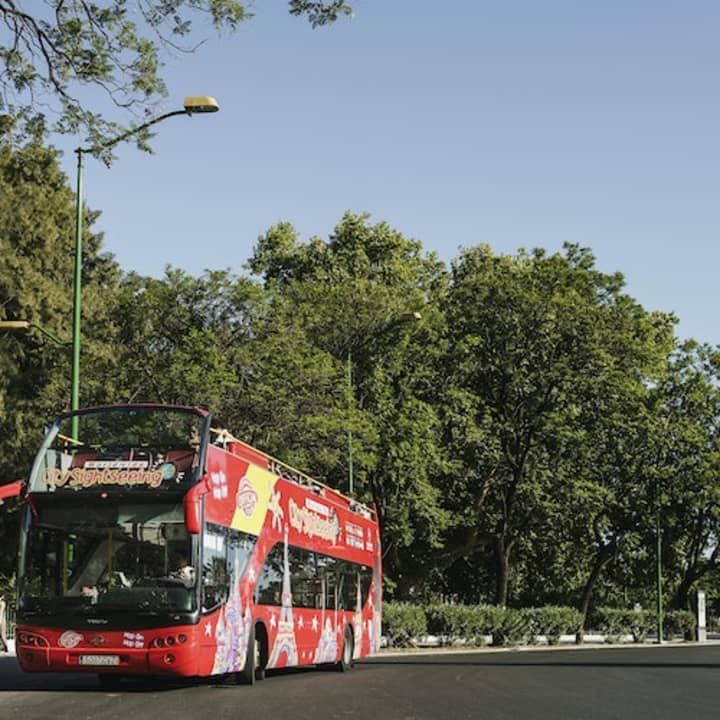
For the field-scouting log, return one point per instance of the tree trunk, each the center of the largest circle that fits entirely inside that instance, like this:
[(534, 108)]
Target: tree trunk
[(502, 569), (601, 559), (682, 594)]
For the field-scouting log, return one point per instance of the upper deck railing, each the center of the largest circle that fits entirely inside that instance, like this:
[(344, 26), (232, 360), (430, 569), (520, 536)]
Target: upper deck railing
[(277, 467)]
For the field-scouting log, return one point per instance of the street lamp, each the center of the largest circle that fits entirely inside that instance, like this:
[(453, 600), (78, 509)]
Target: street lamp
[(402, 319), (191, 106), (26, 325)]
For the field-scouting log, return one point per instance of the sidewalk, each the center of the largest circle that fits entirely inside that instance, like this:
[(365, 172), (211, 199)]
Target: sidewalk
[(429, 645), (399, 652)]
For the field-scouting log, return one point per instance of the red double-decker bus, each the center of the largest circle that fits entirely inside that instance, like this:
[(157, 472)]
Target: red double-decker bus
[(153, 544)]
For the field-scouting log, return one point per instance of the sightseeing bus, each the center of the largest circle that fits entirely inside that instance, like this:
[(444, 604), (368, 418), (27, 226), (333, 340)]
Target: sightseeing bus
[(155, 544)]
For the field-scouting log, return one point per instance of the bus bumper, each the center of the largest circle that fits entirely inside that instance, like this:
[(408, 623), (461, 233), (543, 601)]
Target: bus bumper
[(108, 656)]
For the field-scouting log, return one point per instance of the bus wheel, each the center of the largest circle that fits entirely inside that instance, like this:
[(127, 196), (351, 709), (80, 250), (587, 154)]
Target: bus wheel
[(247, 675), (261, 652), (346, 659)]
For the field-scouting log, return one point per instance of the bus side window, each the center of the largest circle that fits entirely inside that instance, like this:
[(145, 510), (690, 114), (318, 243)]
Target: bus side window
[(302, 577), (268, 589), (327, 592), (216, 575), (365, 580)]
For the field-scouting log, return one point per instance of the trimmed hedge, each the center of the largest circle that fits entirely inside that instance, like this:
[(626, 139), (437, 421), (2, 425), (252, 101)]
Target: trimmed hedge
[(471, 623), (405, 623), (615, 623), (514, 628), (402, 623), (553, 621), (679, 622)]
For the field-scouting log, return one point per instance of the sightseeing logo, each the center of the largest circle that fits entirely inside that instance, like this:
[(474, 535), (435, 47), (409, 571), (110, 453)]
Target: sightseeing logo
[(121, 473)]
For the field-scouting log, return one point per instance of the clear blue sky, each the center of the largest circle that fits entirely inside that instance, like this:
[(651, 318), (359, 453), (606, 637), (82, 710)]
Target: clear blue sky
[(517, 123)]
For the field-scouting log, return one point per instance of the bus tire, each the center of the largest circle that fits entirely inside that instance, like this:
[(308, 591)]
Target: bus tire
[(261, 651), (346, 657), (247, 675)]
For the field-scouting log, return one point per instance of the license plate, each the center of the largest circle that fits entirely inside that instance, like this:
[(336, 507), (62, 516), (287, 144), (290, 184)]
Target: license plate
[(99, 660)]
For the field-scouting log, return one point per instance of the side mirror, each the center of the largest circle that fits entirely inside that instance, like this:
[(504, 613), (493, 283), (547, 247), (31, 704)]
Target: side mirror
[(13, 489), (193, 508)]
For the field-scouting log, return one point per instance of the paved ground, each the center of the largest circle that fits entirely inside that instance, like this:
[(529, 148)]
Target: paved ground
[(634, 683)]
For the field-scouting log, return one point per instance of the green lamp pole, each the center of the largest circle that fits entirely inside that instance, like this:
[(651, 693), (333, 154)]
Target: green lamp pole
[(191, 106), (658, 568)]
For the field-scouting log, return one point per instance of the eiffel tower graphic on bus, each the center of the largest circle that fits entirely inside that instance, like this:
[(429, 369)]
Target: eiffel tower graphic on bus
[(285, 638)]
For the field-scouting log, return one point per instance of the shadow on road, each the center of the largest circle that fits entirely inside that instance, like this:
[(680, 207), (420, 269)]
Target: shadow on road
[(526, 662), (15, 680)]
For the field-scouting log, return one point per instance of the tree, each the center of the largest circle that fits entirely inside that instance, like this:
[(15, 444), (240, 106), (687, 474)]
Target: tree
[(49, 54), (182, 339), (687, 408), (353, 298), (535, 344), (36, 270)]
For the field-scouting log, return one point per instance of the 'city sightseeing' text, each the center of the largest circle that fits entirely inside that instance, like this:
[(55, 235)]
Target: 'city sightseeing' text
[(81, 477)]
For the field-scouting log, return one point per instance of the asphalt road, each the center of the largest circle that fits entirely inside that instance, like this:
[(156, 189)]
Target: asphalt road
[(634, 683)]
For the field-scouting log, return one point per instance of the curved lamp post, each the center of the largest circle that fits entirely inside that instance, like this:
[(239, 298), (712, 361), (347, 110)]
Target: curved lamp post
[(191, 106), (26, 325)]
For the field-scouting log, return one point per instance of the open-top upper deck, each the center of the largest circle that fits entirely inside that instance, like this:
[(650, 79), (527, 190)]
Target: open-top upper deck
[(252, 455)]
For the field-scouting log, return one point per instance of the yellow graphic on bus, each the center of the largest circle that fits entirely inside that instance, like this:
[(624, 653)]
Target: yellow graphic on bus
[(251, 501)]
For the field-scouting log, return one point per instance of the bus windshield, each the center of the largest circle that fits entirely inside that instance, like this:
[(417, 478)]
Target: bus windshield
[(128, 447), (98, 558)]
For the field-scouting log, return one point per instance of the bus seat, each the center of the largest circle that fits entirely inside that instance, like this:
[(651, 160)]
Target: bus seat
[(79, 459), (181, 459)]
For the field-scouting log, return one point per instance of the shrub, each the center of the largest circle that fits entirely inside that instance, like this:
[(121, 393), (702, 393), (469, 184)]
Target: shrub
[(479, 621), (471, 623), (615, 623), (552, 621), (443, 620), (402, 623), (514, 627), (610, 624), (679, 622)]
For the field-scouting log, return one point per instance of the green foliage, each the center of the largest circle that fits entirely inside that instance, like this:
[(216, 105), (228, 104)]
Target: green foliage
[(403, 623), (514, 628), (36, 270), (353, 300), (539, 347), (517, 438), (617, 623), (679, 623), (114, 46), (553, 621), (320, 13), (470, 623), (7, 587)]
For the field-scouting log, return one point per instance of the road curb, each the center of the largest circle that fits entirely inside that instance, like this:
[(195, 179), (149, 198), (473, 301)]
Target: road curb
[(415, 652)]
